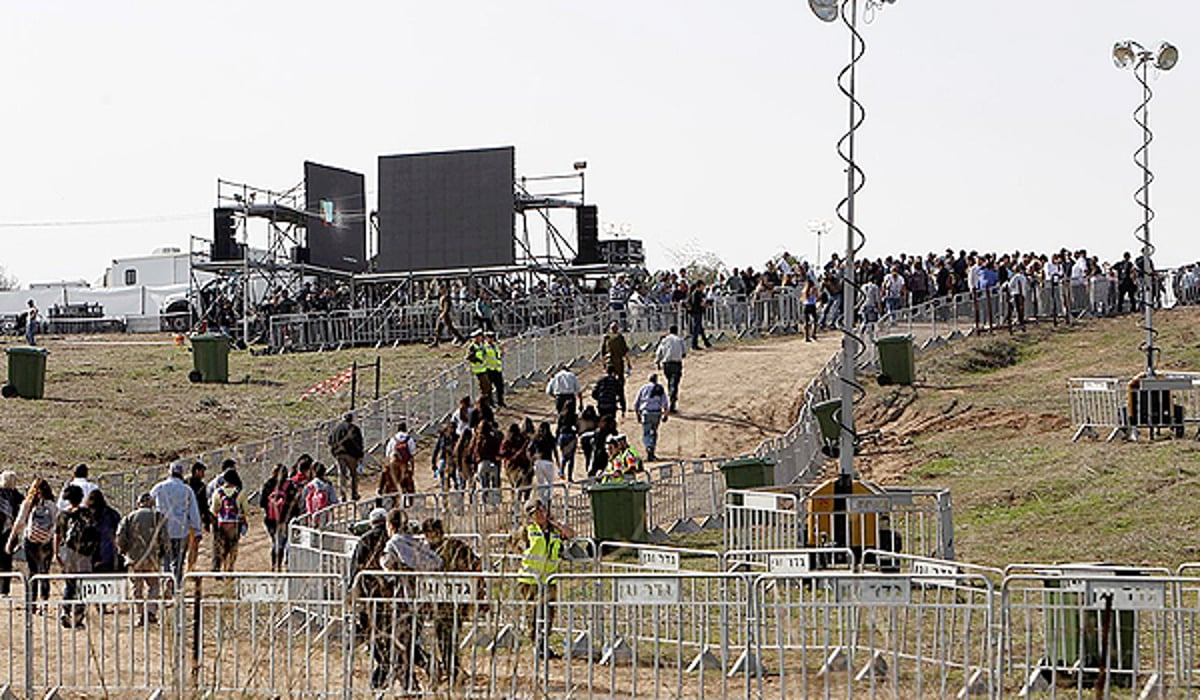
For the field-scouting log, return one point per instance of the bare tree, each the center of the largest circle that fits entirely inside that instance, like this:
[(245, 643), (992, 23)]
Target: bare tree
[(7, 282)]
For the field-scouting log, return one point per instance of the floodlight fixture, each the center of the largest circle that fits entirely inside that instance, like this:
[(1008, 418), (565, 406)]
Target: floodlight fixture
[(1123, 55), (580, 165), (825, 10), (1167, 57)]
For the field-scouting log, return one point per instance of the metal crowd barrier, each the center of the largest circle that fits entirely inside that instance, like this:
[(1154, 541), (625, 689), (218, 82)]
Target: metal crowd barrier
[(913, 521), (114, 632), (1165, 403), (1088, 633), (632, 620), (850, 635)]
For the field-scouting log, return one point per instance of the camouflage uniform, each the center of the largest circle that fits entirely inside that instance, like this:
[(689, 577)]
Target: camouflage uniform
[(456, 556)]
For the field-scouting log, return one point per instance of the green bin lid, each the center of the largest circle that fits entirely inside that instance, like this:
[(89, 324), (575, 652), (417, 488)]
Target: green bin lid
[(619, 486), (891, 339), (209, 337), (748, 462), (27, 350)]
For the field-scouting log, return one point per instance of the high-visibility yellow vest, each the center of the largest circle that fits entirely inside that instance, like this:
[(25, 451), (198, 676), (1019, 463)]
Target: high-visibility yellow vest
[(541, 557), (493, 357), (477, 358), (624, 462)]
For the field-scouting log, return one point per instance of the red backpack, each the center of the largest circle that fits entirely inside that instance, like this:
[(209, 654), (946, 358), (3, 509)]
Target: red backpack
[(317, 497), (277, 501)]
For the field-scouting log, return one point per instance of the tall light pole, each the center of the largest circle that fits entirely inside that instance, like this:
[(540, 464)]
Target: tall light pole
[(820, 228), (829, 11), (1132, 55)]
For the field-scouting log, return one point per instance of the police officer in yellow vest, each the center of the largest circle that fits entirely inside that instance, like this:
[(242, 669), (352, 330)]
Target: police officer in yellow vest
[(543, 540), (477, 361), (493, 360), (623, 461)]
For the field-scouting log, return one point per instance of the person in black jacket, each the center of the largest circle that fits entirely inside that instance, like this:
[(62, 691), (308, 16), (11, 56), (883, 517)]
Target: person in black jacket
[(200, 488), (608, 394), (346, 444)]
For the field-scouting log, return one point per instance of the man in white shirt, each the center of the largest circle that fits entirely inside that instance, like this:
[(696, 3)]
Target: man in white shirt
[(399, 459), (1018, 288), (81, 480), (669, 358), (564, 387)]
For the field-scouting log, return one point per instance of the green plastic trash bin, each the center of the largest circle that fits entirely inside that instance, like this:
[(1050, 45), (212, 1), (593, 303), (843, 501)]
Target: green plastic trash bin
[(896, 362), (27, 371), (1074, 631), (210, 358), (826, 413), (619, 511), (748, 473)]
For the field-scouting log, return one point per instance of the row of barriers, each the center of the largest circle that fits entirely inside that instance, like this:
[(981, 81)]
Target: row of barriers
[(532, 357), (1167, 403), (644, 624)]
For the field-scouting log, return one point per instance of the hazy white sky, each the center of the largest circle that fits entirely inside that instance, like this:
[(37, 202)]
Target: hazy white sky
[(705, 124)]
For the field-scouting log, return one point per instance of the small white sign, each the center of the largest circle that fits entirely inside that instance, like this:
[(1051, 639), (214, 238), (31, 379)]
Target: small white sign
[(262, 590), (935, 573), (658, 559), (1127, 595), (350, 545), (104, 591), (869, 504), (446, 590), (304, 538), (788, 564), (1095, 386), (648, 591), (875, 591), (766, 501)]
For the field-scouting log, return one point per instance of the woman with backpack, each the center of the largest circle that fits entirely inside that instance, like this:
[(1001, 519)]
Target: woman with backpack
[(277, 498), (319, 494), (35, 524), (229, 511)]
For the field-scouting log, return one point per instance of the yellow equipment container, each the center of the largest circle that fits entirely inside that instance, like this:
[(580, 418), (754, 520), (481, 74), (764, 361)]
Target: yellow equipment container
[(832, 520)]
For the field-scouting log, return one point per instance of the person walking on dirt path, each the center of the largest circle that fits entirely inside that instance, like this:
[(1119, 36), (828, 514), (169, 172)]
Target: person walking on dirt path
[(515, 462), (346, 444), (396, 649), (175, 500), (456, 555), (609, 393), (229, 515), (76, 540), (277, 498), (31, 319), (142, 542), (200, 488), (476, 358), (106, 518), (398, 471), (651, 409), (10, 506), (697, 304), (318, 493), (808, 297), (79, 478), (564, 387), (35, 524), (493, 362), (668, 356), (541, 543), (485, 455), (445, 317), (566, 439), (614, 351)]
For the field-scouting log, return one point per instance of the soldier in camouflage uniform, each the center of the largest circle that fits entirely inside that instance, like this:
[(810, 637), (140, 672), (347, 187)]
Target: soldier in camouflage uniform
[(447, 622)]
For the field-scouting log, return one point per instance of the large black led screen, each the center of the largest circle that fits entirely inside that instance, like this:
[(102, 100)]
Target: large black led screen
[(446, 210), (336, 203)]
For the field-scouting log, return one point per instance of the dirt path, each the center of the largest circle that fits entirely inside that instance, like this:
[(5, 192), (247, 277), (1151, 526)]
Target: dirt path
[(730, 398)]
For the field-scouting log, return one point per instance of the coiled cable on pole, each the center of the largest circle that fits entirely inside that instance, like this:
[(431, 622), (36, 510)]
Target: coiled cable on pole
[(1141, 158)]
